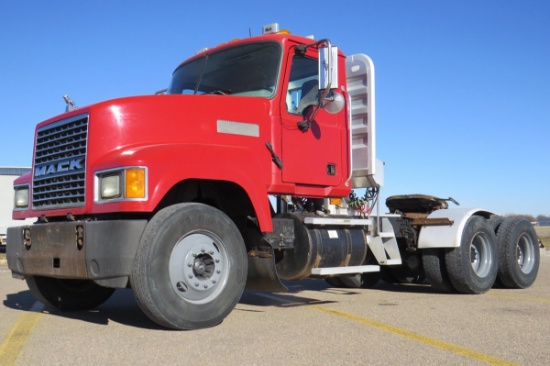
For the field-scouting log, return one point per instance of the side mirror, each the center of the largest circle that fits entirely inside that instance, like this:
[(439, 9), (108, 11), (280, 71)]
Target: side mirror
[(328, 80), (328, 67)]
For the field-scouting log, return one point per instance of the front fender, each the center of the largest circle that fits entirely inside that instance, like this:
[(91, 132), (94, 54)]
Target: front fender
[(169, 164), (448, 236)]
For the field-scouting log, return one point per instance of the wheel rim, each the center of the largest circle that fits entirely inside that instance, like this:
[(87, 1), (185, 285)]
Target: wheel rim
[(198, 267), (525, 254), (481, 257)]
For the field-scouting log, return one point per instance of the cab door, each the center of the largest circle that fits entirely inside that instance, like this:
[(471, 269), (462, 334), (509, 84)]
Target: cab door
[(312, 155)]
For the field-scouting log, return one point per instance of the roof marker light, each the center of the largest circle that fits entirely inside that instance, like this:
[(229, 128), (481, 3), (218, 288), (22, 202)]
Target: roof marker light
[(270, 28)]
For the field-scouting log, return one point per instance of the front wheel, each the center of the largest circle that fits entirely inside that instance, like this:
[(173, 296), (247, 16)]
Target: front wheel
[(473, 266), (191, 267), (68, 294)]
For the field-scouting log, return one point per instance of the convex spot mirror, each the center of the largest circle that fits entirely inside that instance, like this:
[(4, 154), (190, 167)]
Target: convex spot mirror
[(334, 102)]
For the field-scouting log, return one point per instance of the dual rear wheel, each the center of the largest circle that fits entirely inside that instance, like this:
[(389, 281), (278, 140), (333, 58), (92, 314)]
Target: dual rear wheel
[(511, 255), (503, 251)]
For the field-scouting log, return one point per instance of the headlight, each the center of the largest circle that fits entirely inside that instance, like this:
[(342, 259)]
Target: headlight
[(110, 186), (21, 198)]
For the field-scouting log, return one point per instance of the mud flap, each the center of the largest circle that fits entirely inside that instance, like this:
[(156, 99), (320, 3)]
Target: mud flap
[(262, 275)]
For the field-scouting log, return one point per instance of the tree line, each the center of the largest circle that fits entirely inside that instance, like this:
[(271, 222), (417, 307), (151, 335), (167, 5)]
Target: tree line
[(541, 219)]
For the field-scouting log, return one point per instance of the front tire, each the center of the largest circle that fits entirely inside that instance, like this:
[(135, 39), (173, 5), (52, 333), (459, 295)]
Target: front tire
[(473, 266), (519, 254), (191, 267), (68, 294)]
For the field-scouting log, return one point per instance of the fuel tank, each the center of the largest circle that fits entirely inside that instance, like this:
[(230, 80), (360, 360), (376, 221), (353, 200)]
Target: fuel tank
[(320, 247)]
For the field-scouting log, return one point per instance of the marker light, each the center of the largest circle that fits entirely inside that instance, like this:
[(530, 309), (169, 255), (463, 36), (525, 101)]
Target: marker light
[(135, 183), (273, 28), (270, 28)]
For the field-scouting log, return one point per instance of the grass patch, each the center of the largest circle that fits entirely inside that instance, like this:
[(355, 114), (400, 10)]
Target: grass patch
[(544, 234), (543, 231)]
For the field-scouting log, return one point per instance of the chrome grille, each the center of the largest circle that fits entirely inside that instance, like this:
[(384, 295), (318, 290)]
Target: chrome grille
[(59, 174)]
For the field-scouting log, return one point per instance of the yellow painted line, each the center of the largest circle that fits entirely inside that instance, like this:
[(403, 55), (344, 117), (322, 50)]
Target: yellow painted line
[(449, 347), (462, 351), (16, 339), (515, 297)]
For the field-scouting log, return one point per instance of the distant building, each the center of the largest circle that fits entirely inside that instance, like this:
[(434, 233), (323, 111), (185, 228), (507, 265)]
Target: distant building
[(7, 176)]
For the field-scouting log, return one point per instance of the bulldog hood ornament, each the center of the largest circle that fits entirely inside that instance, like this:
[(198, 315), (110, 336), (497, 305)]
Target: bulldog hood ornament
[(70, 104)]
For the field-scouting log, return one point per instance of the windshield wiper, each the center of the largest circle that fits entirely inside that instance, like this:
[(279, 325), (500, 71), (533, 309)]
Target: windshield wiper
[(220, 91)]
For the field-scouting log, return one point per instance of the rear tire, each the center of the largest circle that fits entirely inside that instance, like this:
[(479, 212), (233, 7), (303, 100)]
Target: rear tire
[(191, 267), (433, 261), (402, 274), (473, 266), (360, 280), (519, 254), (334, 282), (363, 280), (68, 294)]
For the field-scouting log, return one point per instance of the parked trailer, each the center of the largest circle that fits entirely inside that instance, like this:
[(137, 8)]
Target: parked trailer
[(168, 194)]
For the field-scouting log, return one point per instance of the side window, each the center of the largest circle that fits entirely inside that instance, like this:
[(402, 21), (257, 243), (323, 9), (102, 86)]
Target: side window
[(303, 87)]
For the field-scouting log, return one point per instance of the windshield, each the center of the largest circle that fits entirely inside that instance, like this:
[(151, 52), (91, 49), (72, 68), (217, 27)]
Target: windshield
[(249, 70)]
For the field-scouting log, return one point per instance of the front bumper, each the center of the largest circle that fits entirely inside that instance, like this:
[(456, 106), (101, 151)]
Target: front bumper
[(102, 251)]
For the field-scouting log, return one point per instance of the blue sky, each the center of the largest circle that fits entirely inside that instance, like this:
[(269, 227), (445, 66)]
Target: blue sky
[(463, 87)]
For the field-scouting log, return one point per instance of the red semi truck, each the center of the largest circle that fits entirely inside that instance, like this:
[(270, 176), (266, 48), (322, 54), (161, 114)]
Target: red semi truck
[(239, 175)]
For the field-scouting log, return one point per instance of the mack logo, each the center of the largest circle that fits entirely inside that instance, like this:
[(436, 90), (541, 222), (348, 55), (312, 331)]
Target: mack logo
[(60, 167)]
